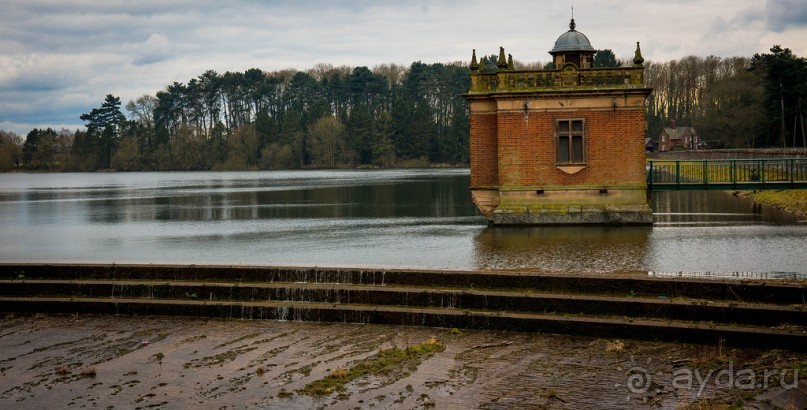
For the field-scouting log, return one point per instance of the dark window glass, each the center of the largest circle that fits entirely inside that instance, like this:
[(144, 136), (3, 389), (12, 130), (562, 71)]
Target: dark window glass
[(571, 142), (563, 148), (577, 148)]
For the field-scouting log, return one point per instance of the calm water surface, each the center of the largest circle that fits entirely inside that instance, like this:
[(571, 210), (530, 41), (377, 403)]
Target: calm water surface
[(388, 218)]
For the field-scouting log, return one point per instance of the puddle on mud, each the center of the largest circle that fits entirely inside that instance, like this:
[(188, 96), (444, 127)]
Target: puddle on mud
[(146, 362)]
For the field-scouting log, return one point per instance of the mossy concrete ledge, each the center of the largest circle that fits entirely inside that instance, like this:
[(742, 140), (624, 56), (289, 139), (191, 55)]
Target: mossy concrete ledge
[(571, 216), (573, 207)]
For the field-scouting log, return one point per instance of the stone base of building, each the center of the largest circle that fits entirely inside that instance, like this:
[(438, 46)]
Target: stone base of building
[(573, 218), (487, 200), (565, 206)]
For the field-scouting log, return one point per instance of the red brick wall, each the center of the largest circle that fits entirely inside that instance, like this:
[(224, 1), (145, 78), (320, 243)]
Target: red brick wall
[(484, 157), (526, 148)]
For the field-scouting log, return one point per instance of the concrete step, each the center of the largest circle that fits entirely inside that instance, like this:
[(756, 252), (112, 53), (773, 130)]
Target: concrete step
[(785, 337), (515, 300), (776, 292), (627, 304)]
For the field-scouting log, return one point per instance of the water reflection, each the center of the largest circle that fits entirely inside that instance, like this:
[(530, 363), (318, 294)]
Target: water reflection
[(713, 231), (712, 208), (111, 198), (390, 218), (587, 248), (732, 248)]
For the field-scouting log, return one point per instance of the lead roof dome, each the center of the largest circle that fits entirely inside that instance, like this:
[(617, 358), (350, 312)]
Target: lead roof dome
[(572, 40)]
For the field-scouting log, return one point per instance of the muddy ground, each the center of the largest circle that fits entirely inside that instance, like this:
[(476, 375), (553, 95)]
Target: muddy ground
[(157, 362)]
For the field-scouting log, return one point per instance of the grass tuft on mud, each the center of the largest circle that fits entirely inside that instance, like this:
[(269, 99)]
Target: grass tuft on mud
[(614, 347), (88, 373), (385, 362)]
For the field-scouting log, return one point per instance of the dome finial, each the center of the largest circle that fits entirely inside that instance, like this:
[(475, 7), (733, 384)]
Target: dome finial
[(571, 24)]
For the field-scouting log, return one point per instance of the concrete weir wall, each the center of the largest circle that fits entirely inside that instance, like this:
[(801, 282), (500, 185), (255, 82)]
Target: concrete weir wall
[(633, 305)]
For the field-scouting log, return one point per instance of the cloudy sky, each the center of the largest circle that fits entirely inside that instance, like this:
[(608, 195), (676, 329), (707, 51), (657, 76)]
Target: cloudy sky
[(59, 58)]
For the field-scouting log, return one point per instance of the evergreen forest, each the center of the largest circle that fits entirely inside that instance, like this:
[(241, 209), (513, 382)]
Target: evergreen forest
[(388, 116)]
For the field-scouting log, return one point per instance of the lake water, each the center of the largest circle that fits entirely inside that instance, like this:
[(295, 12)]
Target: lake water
[(378, 218)]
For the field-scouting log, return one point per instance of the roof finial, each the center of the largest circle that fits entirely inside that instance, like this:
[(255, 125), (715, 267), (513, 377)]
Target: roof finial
[(571, 24), (637, 57), (474, 64), (502, 63)]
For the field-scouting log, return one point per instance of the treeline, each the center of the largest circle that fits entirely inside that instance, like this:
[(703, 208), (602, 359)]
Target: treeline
[(324, 117), (734, 102), (389, 116)]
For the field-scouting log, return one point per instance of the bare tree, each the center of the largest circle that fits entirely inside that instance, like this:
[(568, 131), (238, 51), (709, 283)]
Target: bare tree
[(10, 150), (394, 73), (327, 138)]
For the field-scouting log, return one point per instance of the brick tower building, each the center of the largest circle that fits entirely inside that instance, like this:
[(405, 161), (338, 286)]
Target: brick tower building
[(559, 146)]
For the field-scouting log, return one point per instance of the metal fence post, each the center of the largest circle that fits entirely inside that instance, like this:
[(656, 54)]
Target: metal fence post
[(733, 172), (706, 173), (791, 169), (761, 165)]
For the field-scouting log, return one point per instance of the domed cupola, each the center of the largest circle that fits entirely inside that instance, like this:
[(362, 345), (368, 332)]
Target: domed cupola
[(573, 47)]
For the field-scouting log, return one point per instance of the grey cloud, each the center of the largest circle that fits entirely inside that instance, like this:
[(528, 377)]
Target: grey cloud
[(32, 109), (38, 73), (58, 58), (157, 48), (784, 14)]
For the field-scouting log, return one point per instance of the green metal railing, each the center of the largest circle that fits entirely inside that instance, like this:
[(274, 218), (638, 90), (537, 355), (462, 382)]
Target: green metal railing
[(739, 174)]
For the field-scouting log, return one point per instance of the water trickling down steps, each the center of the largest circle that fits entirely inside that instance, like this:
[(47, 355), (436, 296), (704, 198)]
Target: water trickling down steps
[(633, 305)]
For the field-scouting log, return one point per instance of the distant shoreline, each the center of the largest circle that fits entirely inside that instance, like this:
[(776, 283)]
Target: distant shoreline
[(346, 168)]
